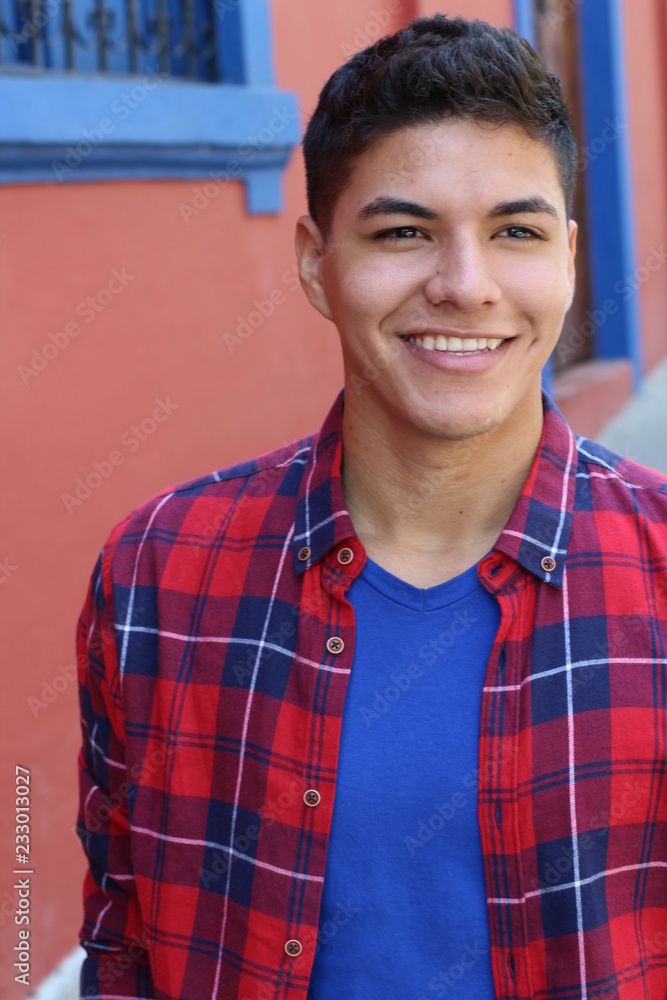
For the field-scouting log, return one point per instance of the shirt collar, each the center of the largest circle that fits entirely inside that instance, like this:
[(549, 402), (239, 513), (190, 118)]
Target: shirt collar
[(536, 534), (322, 520), (538, 530)]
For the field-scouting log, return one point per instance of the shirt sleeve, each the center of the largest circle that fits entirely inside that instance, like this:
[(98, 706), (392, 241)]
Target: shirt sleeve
[(112, 934)]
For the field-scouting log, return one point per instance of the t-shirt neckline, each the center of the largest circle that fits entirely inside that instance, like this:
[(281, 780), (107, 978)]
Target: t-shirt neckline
[(417, 598)]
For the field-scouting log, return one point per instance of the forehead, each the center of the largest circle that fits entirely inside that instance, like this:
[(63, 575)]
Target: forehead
[(455, 164)]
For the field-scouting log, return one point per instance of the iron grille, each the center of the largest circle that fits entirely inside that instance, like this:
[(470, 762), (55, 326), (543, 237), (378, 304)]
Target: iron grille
[(173, 37)]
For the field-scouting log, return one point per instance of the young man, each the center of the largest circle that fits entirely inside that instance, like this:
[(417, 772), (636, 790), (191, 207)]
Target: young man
[(382, 714)]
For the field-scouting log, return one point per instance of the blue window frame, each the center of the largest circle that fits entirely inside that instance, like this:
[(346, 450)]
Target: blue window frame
[(608, 175), (606, 125), (206, 109)]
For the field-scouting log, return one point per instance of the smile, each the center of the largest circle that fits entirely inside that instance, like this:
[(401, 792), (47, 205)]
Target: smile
[(455, 345)]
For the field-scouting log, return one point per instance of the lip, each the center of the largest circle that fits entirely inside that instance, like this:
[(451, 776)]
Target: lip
[(457, 363)]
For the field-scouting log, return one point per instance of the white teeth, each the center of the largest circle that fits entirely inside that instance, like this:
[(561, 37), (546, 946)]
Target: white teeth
[(456, 345)]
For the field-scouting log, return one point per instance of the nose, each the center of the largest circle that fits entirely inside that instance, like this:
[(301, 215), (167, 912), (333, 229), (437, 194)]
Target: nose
[(461, 275)]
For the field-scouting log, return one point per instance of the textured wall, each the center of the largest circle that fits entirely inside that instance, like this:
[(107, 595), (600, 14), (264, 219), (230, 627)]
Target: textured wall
[(145, 344)]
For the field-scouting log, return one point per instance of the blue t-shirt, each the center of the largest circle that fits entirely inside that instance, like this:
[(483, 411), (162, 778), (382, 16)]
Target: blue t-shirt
[(404, 905)]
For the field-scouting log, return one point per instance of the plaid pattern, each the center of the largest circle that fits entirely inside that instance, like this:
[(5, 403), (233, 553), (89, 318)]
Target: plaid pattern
[(211, 703)]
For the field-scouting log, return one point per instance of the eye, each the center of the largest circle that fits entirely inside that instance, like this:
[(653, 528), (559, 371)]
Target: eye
[(520, 233), (398, 234)]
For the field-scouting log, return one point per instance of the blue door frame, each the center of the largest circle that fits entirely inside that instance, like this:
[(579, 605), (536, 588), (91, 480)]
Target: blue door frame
[(605, 158)]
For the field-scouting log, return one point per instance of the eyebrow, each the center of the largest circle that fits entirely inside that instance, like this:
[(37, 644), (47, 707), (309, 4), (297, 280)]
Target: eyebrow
[(536, 205), (397, 206)]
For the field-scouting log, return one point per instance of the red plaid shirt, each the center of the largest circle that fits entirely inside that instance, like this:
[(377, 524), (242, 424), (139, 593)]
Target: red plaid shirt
[(214, 651)]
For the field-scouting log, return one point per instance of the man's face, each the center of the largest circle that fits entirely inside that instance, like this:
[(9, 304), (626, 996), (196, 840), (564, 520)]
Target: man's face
[(448, 271)]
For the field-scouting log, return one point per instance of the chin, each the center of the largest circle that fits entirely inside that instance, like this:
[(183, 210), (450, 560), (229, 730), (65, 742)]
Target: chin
[(457, 422), (454, 427)]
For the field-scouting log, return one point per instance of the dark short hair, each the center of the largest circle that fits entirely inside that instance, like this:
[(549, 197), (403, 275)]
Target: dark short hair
[(434, 69)]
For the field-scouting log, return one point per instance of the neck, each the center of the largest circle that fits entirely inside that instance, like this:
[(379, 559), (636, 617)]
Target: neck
[(427, 508)]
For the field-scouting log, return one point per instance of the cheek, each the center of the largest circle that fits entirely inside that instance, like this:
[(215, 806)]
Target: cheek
[(541, 292), (366, 292)]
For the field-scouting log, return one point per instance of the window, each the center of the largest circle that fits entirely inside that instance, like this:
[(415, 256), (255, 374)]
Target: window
[(175, 37), (105, 89)]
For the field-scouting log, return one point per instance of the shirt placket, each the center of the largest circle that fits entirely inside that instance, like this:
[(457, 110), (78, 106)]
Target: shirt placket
[(497, 790), (327, 636)]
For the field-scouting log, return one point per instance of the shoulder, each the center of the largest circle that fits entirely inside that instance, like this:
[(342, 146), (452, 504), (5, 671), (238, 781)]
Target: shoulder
[(619, 483), (198, 512)]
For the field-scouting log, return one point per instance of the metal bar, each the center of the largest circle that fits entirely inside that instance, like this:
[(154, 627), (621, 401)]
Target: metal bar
[(208, 48), (189, 40), (175, 37), (33, 41), (4, 32), (132, 34), (100, 12), (162, 21), (68, 32)]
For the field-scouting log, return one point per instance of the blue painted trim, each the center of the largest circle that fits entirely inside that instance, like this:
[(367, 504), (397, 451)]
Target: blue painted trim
[(257, 43), (58, 128), (262, 179), (524, 20), (609, 193), (244, 41), (261, 187), (61, 127), (56, 108)]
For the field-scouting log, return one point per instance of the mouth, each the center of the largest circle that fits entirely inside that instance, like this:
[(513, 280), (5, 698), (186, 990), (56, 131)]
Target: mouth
[(457, 346)]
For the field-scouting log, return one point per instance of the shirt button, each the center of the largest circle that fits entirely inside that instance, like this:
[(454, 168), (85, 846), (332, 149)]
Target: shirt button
[(335, 645), (345, 556), (548, 564), (304, 554), (312, 797), (293, 948)]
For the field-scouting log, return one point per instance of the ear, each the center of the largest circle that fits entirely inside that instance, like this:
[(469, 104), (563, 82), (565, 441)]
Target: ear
[(311, 252), (571, 272)]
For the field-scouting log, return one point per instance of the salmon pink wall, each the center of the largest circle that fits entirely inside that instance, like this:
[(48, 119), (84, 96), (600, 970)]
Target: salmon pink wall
[(498, 12), (646, 56), (125, 366)]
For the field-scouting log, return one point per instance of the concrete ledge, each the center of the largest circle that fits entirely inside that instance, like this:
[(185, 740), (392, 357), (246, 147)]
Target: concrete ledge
[(590, 394)]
